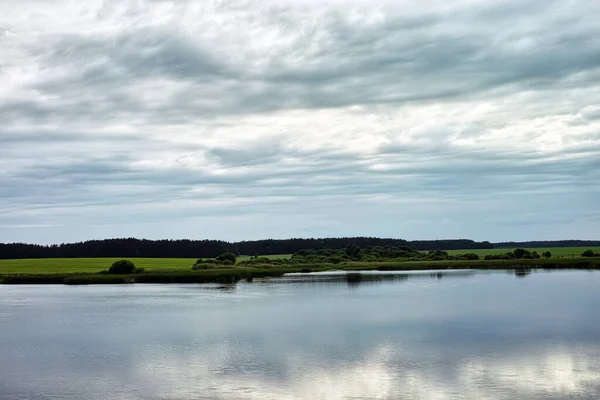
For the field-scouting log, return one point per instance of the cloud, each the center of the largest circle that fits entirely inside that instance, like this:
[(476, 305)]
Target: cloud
[(310, 109)]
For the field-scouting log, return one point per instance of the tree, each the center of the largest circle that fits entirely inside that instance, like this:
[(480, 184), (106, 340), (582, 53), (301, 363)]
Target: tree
[(437, 254), (589, 253), (228, 256), (335, 259), (546, 254), (353, 251), (122, 267), (520, 253)]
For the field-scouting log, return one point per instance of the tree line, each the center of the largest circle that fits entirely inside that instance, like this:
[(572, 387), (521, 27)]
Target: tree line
[(358, 254), (351, 253), (548, 243), (133, 248)]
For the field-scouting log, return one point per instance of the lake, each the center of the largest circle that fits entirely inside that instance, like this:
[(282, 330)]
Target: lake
[(431, 335)]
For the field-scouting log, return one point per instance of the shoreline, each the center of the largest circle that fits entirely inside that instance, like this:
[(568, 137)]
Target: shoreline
[(236, 274)]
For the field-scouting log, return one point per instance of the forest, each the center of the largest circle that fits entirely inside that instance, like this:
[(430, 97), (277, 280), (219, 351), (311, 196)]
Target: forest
[(135, 248), (131, 247)]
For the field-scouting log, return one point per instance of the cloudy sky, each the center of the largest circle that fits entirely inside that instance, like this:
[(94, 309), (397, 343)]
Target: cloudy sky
[(254, 119)]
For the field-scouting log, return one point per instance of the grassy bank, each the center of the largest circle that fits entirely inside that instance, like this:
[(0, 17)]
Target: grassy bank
[(222, 275), (92, 265), (235, 274), (557, 252), (88, 265), (552, 263), (40, 266)]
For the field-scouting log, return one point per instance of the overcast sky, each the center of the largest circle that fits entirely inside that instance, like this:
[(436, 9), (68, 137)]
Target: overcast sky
[(253, 119)]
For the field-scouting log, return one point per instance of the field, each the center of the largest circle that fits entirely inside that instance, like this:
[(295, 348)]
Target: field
[(557, 252), (231, 275), (92, 265), (88, 265)]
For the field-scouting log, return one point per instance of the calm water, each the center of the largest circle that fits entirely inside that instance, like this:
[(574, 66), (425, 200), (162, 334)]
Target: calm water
[(463, 335)]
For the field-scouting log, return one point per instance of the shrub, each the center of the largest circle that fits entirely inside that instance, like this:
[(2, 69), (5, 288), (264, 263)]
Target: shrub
[(335, 259), (437, 254), (205, 265), (589, 253), (506, 256), (122, 267), (520, 253), (466, 256), (353, 251), (229, 256), (546, 254)]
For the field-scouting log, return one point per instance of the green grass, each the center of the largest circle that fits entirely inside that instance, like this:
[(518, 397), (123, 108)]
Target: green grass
[(552, 263), (88, 265), (234, 274), (556, 251), (93, 265)]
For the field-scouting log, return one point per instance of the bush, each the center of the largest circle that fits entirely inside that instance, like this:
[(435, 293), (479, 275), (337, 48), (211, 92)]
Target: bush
[(205, 265), (353, 251), (506, 256), (520, 253), (122, 267), (335, 259), (437, 254), (229, 256), (589, 253), (466, 256)]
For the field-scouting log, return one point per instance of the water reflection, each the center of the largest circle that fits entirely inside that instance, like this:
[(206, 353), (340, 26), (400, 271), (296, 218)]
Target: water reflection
[(433, 335), (386, 373), (355, 279), (522, 272)]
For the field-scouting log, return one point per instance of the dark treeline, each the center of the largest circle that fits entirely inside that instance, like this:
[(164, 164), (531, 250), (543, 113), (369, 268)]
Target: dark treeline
[(351, 253), (453, 244), (291, 246), (131, 247), (118, 248), (548, 243)]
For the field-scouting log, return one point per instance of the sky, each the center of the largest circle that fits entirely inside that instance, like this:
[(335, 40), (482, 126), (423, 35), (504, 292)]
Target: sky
[(241, 120)]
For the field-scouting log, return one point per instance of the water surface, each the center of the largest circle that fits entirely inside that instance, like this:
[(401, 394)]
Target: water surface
[(433, 335)]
